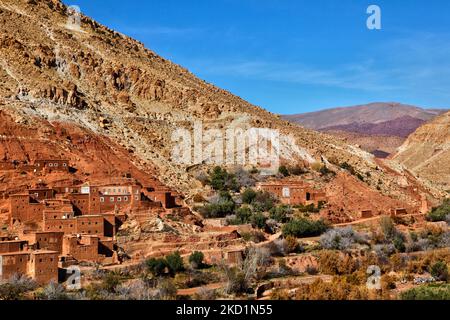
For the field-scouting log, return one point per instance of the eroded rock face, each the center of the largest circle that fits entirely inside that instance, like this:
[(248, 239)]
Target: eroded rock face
[(67, 95), (80, 76), (426, 151)]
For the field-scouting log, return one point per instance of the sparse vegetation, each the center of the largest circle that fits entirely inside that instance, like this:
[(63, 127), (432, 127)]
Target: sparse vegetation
[(427, 292), (15, 287), (339, 239)]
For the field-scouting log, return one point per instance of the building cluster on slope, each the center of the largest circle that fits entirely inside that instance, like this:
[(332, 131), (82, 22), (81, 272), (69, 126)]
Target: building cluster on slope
[(64, 225), (292, 192)]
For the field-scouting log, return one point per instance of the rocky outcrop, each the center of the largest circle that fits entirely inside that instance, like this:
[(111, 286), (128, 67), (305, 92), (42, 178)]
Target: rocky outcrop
[(427, 152)]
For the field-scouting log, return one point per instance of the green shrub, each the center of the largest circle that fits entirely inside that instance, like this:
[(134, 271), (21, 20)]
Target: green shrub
[(156, 266), (263, 201), (399, 243), (196, 259), (280, 214), (15, 287), (174, 263), (248, 196), (220, 180), (243, 216), (110, 282), (258, 220), (303, 227), (427, 292), (439, 271), (224, 207), (387, 227), (440, 213), (283, 171)]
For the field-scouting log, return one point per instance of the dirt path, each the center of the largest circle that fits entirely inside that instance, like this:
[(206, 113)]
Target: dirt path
[(192, 291)]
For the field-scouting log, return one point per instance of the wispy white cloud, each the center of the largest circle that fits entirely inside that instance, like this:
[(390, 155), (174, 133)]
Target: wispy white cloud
[(419, 62)]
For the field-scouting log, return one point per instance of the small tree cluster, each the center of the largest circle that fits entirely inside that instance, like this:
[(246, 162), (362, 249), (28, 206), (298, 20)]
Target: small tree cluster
[(172, 264), (223, 207), (441, 213), (221, 180), (303, 227)]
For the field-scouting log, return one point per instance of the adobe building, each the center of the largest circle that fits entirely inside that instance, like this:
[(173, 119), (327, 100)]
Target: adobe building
[(24, 208), (234, 257), (398, 212), (43, 240), (87, 248), (12, 246), (292, 192), (81, 247), (88, 224), (366, 214), (43, 266), (39, 265)]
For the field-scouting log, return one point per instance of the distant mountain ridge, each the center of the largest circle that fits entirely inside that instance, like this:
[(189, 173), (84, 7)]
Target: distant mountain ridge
[(400, 127), (406, 118), (379, 128)]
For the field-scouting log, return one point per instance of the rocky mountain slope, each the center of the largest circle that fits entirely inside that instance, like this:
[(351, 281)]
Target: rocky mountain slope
[(427, 151), (99, 80)]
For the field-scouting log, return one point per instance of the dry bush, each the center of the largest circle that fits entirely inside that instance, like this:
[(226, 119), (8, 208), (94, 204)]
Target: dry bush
[(338, 289), (336, 263)]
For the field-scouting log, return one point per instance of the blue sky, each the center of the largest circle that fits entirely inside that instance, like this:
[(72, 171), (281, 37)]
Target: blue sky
[(294, 56)]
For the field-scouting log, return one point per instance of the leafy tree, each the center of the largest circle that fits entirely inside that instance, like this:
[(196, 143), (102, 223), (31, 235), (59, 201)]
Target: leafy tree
[(440, 213), (248, 196), (196, 259), (264, 201), (303, 227), (175, 262), (399, 242), (225, 206), (156, 266), (243, 216), (221, 180), (283, 171), (280, 214), (258, 220)]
